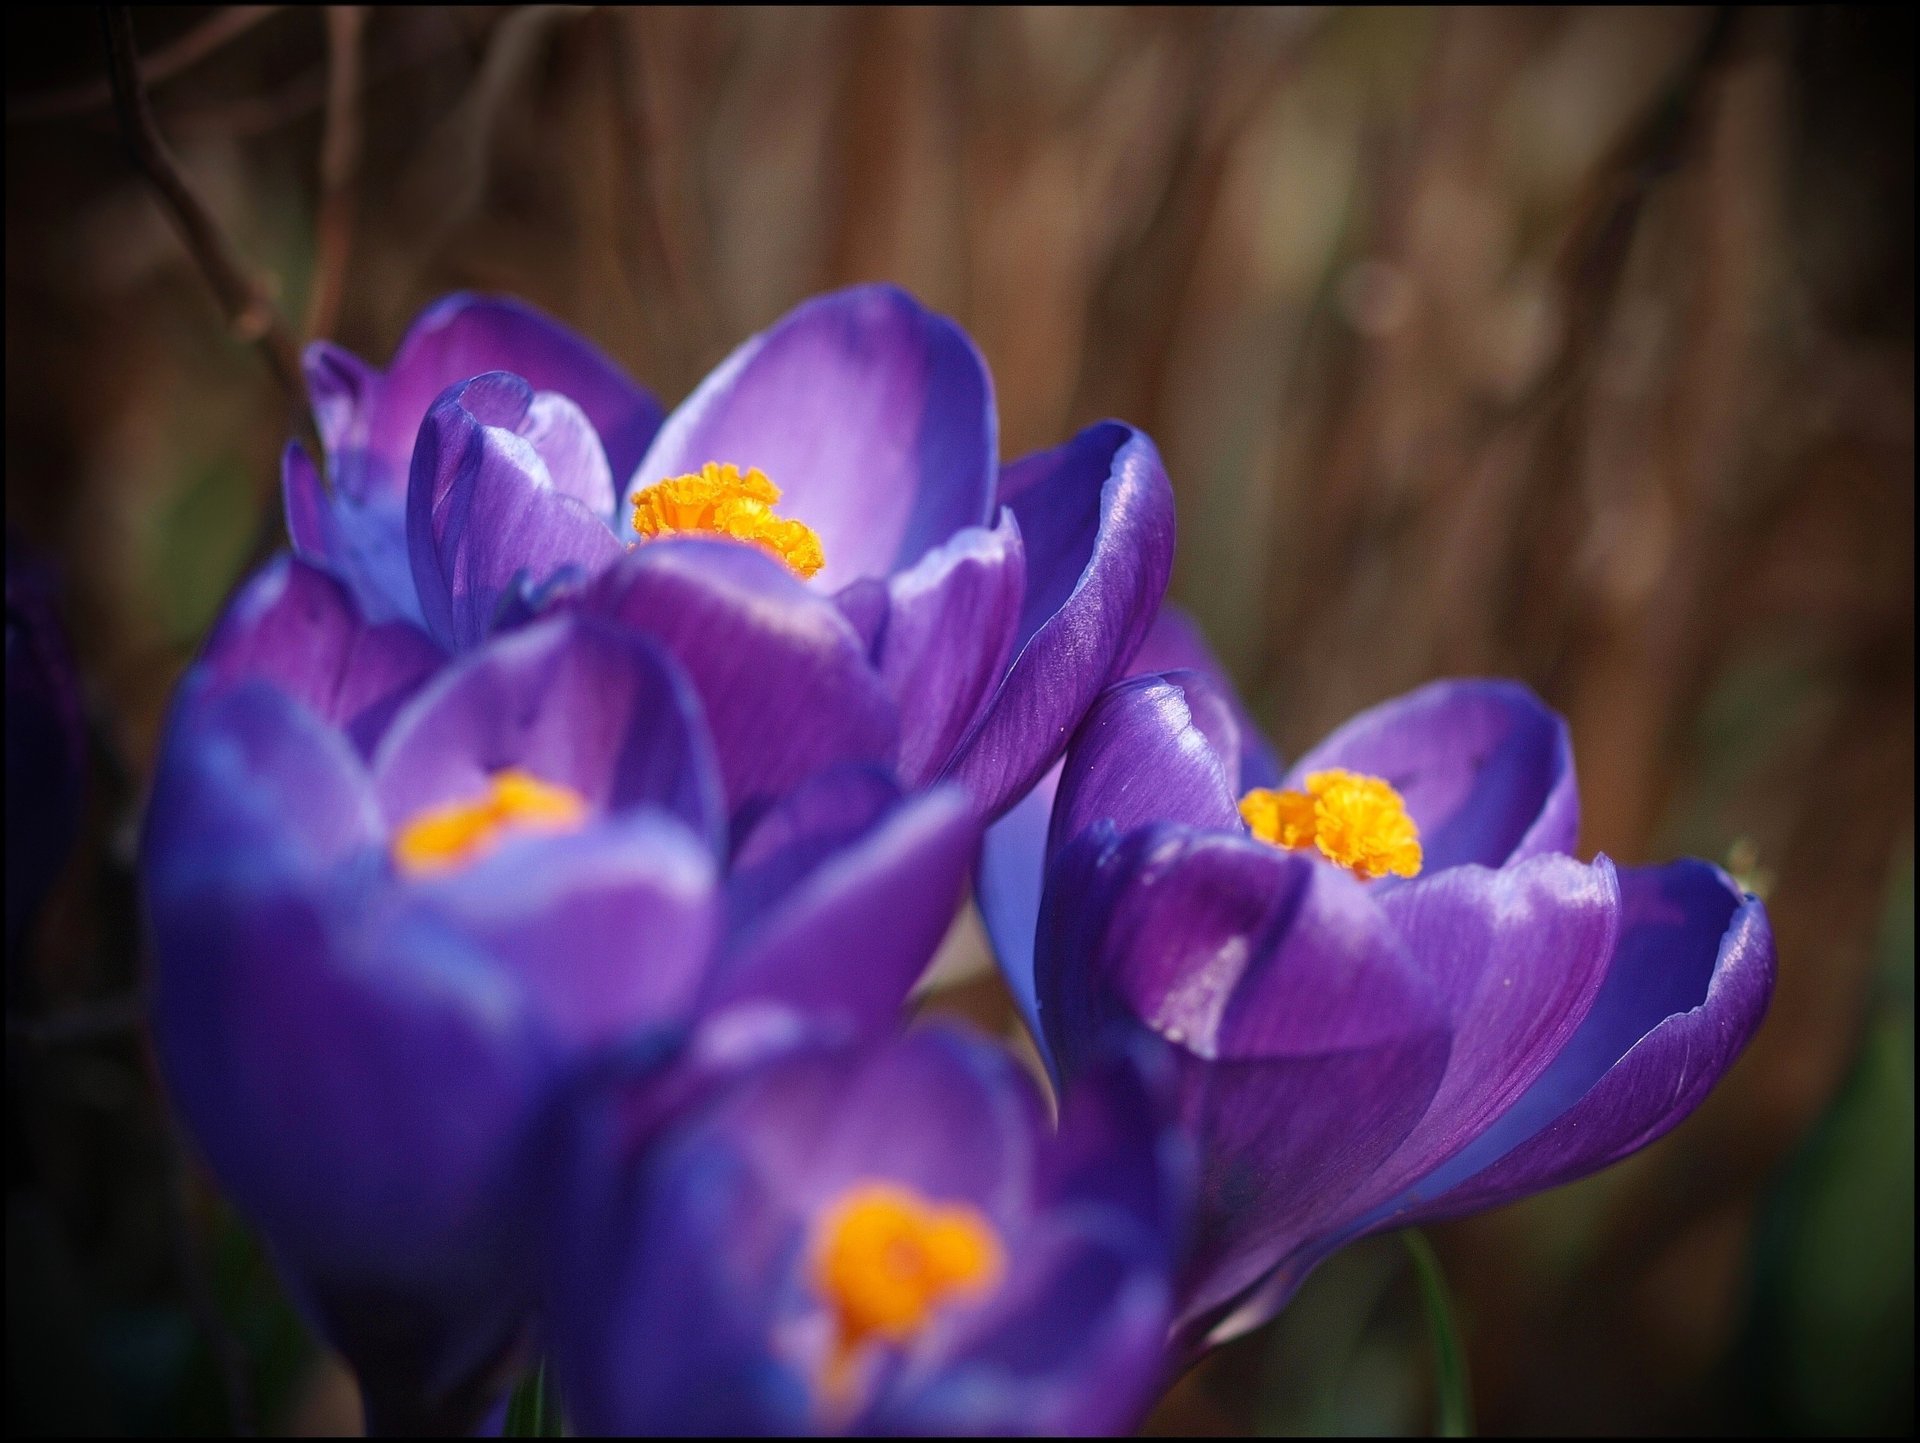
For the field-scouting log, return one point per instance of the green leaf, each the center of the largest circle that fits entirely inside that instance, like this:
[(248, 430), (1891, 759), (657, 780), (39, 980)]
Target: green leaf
[(1452, 1400)]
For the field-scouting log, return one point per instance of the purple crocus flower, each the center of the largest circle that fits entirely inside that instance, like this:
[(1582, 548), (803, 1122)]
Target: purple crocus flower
[(856, 440), (400, 905), (887, 1241), (46, 746), (1390, 993)]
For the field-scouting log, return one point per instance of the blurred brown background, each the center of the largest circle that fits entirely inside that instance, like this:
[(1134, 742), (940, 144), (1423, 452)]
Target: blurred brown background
[(1574, 345)]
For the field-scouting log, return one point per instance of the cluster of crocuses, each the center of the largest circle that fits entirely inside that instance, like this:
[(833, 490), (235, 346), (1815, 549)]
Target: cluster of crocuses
[(542, 857)]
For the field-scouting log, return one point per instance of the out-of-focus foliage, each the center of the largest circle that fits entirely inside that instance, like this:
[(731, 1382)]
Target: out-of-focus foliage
[(1575, 345)]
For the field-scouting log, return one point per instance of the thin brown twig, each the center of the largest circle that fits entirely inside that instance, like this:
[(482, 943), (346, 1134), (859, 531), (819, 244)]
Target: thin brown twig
[(251, 313), (339, 166), (168, 61)]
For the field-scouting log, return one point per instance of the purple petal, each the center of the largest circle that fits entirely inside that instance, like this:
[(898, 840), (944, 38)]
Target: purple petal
[(246, 772), (1518, 955), (664, 1291), (573, 701), (1012, 866), (1176, 644), (1007, 885), (1149, 752), (364, 1096), (608, 930), (343, 391), (872, 415), (1689, 982), (1485, 768), (1306, 1042), (363, 543), (296, 628), (1072, 1343), (564, 439), (369, 421), (782, 676), (814, 944), (936, 1111), (483, 509), (1097, 518), (948, 632)]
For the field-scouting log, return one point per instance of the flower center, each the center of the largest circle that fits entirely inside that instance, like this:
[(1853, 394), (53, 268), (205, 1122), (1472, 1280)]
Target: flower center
[(888, 1260), (721, 500), (442, 839), (1359, 822)]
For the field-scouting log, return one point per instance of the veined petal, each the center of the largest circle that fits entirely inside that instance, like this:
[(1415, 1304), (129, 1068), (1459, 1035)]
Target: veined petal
[(1518, 954), (369, 420), (483, 508), (1486, 770), (1096, 516), (873, 416), (782, 676), (295, 627), (1150, 751), (1689, 981), (943, 644), (1307, 1044), (572, 700), (1012, 867)]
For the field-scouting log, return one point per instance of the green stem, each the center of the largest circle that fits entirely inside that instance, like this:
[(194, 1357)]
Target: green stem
[(1452, 1399), (534, 1409)]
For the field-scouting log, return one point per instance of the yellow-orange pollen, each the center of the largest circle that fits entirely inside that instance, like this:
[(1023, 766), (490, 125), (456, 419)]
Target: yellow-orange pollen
[(888, 1259), (444, 838), (723, 500), (1357, 821)]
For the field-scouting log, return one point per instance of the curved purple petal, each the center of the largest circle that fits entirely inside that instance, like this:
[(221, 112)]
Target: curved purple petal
[(944, 641), (818, 943), (483, 508), (369, 421), (1485, 768), (360, 541), (295, 627), (1688, 984), (1307, 1044), (1518, 956), (664, 1283), (607, 931), (1073, 1343), (1097, 518), (1149, 751), (1007, 883), (572, 700), (1012, 867), (782, 676), (364, 1095), (1176, 644), (247, 772), (873, 415)]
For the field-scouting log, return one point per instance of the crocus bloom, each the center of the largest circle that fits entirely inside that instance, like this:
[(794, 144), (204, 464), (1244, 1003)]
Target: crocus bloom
[(887, 1240), (1389, 991), (855, 442), (400, 904), (46, 745)]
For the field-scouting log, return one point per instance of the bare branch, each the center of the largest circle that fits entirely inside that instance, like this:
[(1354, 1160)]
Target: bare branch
[(161, 66), (251, 313), (339, 166)]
